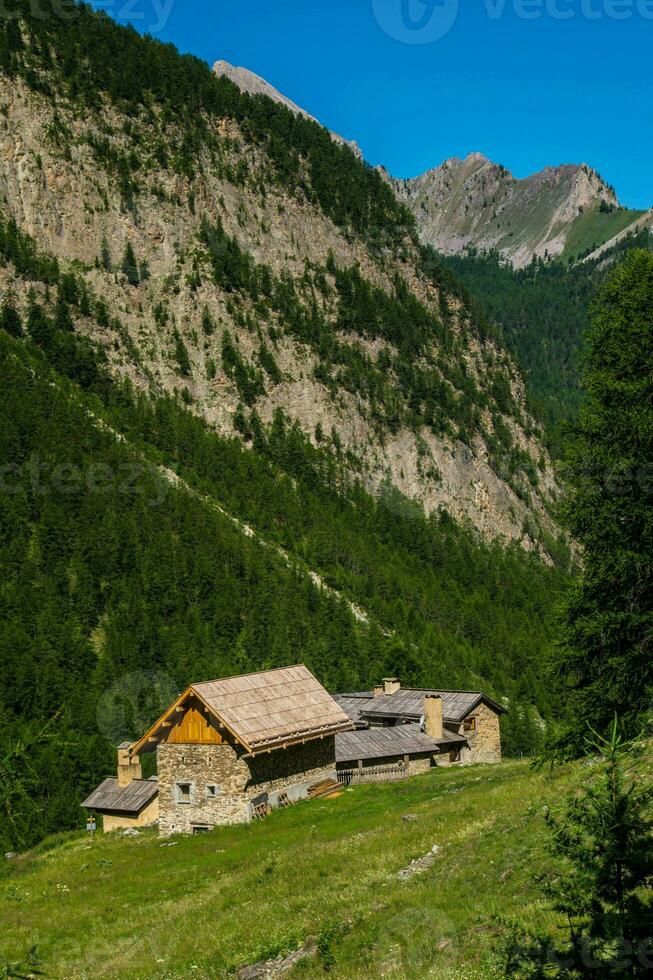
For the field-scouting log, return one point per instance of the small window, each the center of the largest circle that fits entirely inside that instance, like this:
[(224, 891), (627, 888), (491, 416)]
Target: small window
[(201, 828), (212, 791), (454, 755), (184, 792), (469, 725)]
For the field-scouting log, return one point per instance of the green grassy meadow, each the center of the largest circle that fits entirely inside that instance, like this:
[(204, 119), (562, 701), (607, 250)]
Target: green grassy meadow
[(204, 906), (593, 228)]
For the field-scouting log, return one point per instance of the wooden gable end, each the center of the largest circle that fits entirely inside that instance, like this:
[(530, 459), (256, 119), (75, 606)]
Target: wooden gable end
[(188, 721), (193, 728)]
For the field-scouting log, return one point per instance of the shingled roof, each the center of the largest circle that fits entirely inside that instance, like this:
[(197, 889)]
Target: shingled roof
[(129, 800), (407, 704), (354, 705), (379, 743), (274, 706), (265, 710)]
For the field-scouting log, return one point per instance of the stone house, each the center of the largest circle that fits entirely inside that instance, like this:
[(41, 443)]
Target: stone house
[(465, 726), (228, 746), (225, 746)]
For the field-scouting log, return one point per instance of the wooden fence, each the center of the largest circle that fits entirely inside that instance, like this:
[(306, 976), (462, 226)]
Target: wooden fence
[(374, 774)]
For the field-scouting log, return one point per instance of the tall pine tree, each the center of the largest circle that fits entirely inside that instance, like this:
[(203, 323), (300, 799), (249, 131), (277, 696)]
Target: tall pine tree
[(601, 875), (605, 659), (130, 265)]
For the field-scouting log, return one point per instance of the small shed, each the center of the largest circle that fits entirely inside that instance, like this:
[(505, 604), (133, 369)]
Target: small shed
[(133, 805)]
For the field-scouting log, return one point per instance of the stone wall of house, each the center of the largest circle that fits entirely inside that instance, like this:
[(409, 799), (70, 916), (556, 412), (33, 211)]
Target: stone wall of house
[(444, 759), (309, 762), (420, 764), (201, 766), (117, 821), (485, 742), (237, 779)]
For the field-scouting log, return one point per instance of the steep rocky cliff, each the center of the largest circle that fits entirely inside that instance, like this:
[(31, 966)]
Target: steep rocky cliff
[(252, 284)]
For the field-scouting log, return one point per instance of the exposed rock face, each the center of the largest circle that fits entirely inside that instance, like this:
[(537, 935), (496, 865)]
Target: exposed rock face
[(71, 206), (475, 202), (248, 81)]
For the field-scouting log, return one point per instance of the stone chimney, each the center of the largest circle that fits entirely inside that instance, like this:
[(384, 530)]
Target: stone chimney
[(129, 767), (391, 685), (378, 691), (433, 716)]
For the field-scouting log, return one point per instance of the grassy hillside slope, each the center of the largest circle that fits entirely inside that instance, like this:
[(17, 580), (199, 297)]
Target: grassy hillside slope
[(204, 906), (592, 228)]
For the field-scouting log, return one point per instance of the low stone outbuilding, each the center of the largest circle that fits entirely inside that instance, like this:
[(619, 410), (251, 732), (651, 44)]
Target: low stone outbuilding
[(126, 800), (472, 715)]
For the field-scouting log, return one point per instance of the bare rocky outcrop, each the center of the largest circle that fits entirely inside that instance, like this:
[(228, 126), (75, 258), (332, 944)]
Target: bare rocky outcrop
[(477, 203), (71, 206), (280, 966), (419, 865)]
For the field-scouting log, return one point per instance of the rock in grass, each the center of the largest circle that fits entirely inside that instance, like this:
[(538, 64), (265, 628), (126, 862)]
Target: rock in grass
[(419, 865)]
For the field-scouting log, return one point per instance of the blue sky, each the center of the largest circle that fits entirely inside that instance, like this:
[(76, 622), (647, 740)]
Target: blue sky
[(509, 78)]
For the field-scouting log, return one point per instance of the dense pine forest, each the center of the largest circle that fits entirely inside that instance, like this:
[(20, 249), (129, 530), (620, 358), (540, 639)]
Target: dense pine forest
[(121, 582), (544, 313)]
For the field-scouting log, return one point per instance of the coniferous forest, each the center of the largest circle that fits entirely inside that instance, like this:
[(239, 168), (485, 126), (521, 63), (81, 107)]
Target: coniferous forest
[(544, 313), (140, 550)]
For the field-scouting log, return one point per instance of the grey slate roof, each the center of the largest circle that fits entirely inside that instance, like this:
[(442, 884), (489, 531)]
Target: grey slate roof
[(353, 704), (400, 740), (408, 703), (131, 799)]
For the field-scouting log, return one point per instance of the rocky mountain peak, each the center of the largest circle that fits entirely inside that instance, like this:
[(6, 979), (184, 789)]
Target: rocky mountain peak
[(476, 203), (248, 81)]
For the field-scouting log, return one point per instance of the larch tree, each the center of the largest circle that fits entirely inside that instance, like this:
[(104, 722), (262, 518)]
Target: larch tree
[(605, 657)]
